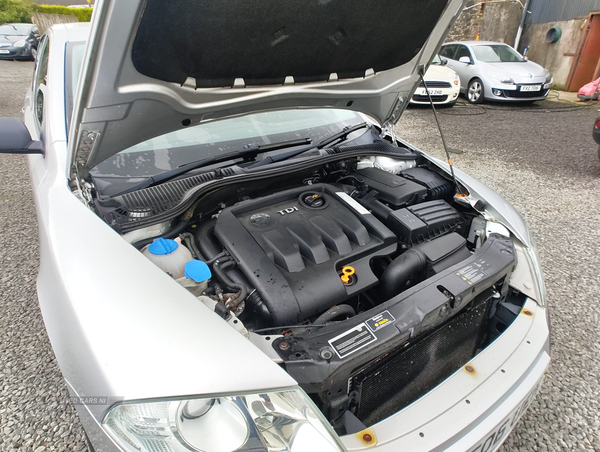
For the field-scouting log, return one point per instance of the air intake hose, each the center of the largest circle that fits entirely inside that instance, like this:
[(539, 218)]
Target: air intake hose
[(396, 275)]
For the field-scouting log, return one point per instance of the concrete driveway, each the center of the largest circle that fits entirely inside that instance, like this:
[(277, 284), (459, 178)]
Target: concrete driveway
[(541, 158)]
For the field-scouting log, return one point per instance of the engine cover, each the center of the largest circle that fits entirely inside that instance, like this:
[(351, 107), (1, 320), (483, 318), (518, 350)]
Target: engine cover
[(292, 245)]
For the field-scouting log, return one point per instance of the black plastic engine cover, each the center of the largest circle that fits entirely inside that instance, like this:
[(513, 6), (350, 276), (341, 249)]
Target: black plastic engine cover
[(292, 245)]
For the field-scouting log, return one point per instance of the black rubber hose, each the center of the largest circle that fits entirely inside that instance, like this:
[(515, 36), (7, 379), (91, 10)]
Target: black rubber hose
[(208, 246), (191, 244), (335, 312), (219, 270), (397, 274), (181, 226), (379, 209)]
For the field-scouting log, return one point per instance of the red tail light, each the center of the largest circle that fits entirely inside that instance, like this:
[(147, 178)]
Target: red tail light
[(597, 125)]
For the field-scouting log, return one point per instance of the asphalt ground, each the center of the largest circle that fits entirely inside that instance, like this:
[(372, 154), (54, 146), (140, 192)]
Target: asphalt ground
[(541, 158)]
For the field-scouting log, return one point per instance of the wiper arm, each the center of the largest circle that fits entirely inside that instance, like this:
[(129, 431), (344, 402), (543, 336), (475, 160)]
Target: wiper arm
[(342, 135), (247, 154)]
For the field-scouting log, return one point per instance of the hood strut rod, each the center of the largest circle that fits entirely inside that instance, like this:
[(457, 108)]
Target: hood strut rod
[(421, 71)]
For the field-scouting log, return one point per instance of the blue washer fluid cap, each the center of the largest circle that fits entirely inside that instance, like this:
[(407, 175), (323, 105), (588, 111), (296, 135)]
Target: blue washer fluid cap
[(162, 246), (197, 270)]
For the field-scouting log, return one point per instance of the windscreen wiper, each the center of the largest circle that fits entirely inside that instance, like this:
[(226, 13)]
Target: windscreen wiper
[(248, 155), (342, 135)]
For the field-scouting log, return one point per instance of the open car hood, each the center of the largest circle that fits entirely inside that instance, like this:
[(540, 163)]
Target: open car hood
[(153, 66)]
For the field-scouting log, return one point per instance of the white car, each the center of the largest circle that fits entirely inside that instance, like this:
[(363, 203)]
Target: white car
[(442, 82), (237, 252), (497, 72)]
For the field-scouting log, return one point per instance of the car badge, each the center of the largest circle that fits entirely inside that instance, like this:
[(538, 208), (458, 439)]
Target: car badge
[(530, 76)]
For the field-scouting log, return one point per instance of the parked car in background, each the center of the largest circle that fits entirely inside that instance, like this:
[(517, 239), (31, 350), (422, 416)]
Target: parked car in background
[(19, 41), (443, 84), (597, 134), (495, 71), (234, 260)]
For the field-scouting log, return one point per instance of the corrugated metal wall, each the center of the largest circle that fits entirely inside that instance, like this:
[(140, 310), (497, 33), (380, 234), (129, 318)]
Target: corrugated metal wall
[(554, 10)]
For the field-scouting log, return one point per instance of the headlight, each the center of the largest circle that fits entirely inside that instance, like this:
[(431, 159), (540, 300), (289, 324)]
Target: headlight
[(266, 422), (20, 43), (502, 78), (536, 267), (549, 79), (456, 80)]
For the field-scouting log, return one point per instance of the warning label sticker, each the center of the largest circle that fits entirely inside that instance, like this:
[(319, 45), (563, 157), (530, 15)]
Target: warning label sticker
[(352, 340), (380, 321), (474, 272)]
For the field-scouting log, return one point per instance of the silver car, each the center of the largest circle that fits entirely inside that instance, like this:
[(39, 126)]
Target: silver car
[(495, 71), (238, 253)]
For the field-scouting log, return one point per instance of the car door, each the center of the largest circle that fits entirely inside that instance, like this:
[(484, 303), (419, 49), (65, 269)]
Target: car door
[(463, 69)]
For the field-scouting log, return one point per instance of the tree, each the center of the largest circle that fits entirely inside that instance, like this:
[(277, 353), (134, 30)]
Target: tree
[(15, 11)]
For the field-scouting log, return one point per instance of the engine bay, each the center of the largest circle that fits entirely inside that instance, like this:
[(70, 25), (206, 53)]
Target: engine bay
[(338, 269)]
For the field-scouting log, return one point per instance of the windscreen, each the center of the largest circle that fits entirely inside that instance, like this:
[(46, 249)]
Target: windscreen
[(496, 54), (14, 30)]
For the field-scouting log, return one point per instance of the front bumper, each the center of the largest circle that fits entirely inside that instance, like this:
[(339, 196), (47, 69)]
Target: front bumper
[(447, 96), (472, 410), (16, 53), (514, 93)]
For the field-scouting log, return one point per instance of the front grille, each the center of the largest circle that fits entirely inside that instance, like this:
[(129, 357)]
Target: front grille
[(436, 85), (391, 383), (524, 94), (419, 98)]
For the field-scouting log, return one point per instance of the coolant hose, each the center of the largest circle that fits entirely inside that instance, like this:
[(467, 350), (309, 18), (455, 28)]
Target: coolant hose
[(335, 312), (190, 243), (397, 274), (219, 270)]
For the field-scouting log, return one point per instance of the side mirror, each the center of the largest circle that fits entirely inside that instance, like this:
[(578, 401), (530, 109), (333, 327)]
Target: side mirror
[(15, 138), (444, 61), (465, 59)]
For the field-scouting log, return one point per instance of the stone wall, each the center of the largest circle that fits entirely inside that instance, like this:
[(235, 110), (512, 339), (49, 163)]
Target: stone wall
[(500, 22), (493, 21), (45, 21), (467, 26)]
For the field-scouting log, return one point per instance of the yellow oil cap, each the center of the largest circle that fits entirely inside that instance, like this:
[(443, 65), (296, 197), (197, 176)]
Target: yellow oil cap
[(347, 272)]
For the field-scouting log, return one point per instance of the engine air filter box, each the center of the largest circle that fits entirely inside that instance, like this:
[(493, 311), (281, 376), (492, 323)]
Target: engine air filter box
[(437, 186), (424, 221)]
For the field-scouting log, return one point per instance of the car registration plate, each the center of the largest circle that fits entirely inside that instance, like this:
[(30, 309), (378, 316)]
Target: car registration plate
[(497, 436), (433, 92), (531, 87), (4, 51)]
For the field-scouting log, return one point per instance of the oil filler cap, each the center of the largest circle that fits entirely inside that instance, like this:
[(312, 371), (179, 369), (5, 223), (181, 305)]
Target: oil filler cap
[(314, 200), (347, 275)]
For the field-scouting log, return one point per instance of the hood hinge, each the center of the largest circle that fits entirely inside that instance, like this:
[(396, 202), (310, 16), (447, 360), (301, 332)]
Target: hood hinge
[(388, 126), (79, 171)]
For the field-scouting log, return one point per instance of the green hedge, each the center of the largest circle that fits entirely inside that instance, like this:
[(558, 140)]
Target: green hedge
[(82, 14), (16, 11), (20, 11)]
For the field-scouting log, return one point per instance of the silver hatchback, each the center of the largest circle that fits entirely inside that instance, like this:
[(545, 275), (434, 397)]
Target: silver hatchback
[(495, 71)]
